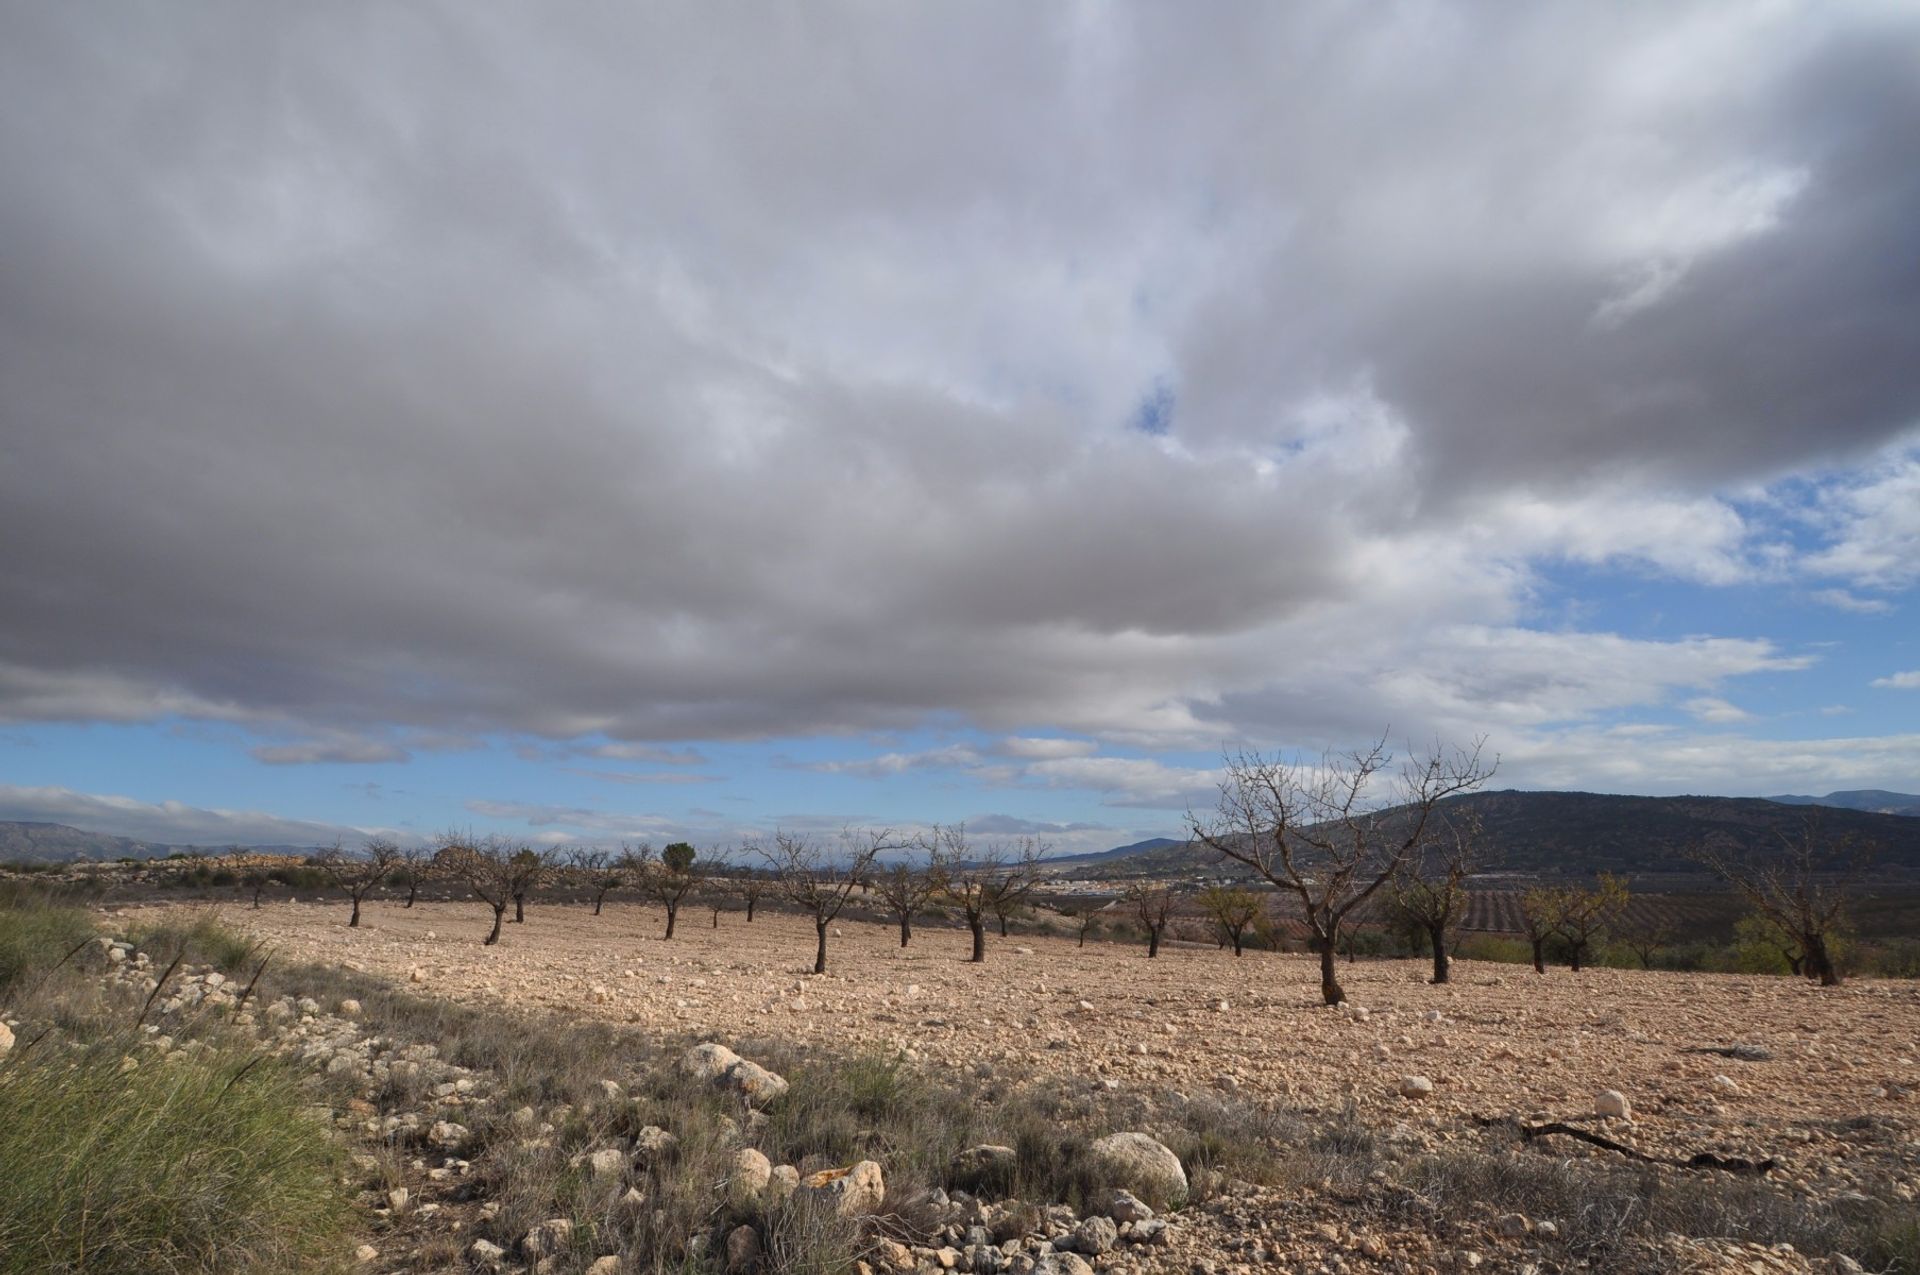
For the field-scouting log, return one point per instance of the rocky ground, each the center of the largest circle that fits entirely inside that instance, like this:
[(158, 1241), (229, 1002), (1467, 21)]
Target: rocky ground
[(1826, 1083)]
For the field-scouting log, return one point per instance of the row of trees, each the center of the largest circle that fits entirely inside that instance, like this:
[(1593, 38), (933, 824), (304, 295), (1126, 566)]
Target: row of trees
[(1342, 837)]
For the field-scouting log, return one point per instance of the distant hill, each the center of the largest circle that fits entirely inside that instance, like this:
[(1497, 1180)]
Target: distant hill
[(1118, 852), (1877, 800), (1578, 833), (58, 843), (27, 842)]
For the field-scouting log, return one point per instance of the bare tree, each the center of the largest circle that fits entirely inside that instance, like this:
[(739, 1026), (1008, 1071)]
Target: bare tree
[(359, 874), (1152, 903), (906, 889), (1647, 939), (667, 878), (417, 866), (1539, 920), (530, 870), (977, 882), (601, 872), (497, 872), (1432, 894), (1233, 910), (1588, 913), (1084, 916), (1328, 834), (818, 880), (751, 886), (1803, 893)]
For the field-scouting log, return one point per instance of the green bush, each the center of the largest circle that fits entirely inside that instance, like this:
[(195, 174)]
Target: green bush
[(173, 1165)]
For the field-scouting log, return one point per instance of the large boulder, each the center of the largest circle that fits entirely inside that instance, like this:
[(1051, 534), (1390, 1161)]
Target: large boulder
[(985, 1165), (708, 1061), (850, 1192), (1143, 1165), (750, 1175), (718, 1065)]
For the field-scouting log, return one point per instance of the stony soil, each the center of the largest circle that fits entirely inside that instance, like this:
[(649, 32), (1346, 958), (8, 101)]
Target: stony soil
[(1837, 1102)]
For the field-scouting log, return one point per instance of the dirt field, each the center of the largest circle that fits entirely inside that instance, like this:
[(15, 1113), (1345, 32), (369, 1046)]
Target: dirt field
[(1508, 1042)]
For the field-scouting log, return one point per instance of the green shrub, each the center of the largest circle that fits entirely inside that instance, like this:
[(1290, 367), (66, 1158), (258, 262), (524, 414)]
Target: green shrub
[(173, 1165)]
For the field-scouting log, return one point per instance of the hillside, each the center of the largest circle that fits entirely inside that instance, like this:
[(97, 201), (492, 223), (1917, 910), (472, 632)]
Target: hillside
[(29, 842), (1575, 833), (1876, 800)]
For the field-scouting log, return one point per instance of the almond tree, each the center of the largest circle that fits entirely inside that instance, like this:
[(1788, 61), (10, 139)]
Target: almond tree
[(906, 890), (419, 865), (1153, 904), (1233, 910), (1432, 894), (359, 874), (528, 870), (1803, 893), (979, 882), (497, 872), (1335, 834), (1586, 914), (1540, 920), (750, 886), (601, 872), (666, 879), (818, 880)]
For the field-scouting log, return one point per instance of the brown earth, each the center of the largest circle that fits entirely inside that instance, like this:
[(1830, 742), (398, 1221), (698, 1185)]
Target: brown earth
[(1837, 1103)]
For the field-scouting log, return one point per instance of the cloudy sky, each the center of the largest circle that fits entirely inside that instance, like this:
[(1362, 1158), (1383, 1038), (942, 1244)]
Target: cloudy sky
[(587, 422)]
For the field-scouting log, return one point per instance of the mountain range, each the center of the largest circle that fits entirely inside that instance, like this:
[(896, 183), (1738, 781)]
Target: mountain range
[(1577, 833)]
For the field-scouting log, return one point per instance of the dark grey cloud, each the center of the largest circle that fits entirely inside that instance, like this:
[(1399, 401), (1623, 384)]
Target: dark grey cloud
[(688, 372)]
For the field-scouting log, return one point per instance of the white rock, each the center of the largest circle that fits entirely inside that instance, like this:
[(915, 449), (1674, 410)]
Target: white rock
[(1613, 1105), (1415, 1087), (350, 1008), (855, 1190), (1143, 1165)]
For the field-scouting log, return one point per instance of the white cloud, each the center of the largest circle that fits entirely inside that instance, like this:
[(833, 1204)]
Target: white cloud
[(1908, 681), (1874, 525), (1842, 600), (1711, 708)]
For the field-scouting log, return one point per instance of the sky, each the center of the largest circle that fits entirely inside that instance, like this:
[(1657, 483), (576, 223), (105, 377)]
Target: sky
[(591, 423)]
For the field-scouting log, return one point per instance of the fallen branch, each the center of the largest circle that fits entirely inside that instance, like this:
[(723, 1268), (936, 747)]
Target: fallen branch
[(1699, 1160)]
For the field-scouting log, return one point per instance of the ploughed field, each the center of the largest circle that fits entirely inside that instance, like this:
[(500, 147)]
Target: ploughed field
[(1836, 1099)]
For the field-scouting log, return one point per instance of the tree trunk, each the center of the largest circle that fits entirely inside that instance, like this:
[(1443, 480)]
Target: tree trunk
[(1153, 943), (1442, 967), (519, 908), (716, 918), (598, 899), (1820, 961), (1579, 949), (354, 922), (256, 899), (820, 953), (673, 915), (1238, 941), (1539, 956), (1003, 927), (413, 891), (750, 902), (499, 914), (979, 929), (906, 929), (1083, 938), (1329, 984)]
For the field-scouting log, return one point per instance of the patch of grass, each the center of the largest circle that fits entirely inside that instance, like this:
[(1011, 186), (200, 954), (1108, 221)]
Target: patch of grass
[(172, 1165), (39, 928), (1607, 1212), (202, 936)]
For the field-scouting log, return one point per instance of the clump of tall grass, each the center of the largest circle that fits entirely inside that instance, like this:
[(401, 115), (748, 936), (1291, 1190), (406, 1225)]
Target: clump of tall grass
[(39, 928), (201, 936), (199, 1161)]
